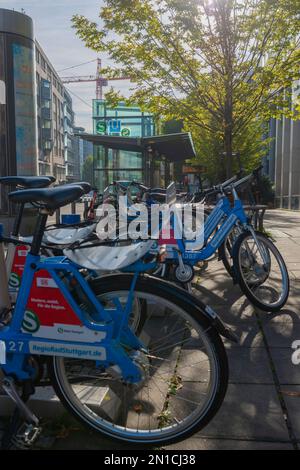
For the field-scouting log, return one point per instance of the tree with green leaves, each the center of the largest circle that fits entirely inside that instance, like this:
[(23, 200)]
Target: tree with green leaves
[(222, 66)]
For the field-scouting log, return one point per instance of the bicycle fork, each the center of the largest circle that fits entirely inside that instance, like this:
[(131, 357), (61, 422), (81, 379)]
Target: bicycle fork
[(261, 251)]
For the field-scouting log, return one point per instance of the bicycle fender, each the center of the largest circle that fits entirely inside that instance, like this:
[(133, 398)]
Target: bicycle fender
[(213, 318), (223, 329)]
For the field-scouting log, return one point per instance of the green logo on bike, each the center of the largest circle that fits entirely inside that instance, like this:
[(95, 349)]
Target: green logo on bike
[(31, 322), (14, 280)]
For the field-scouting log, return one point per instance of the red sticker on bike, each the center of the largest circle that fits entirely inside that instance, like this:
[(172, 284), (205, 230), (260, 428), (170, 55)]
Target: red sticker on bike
[(49, 315), (18, 266), (48, 302), (167, 237)]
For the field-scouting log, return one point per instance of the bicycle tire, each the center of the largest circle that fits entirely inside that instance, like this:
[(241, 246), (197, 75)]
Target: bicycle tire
[(184, 301), (269, 245)]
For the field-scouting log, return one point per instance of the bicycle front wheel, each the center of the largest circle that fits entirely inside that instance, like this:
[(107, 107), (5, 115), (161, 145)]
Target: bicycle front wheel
[(185, 378), (261, 271)]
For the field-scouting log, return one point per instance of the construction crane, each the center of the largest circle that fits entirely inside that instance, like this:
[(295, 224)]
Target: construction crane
[(100, 81)]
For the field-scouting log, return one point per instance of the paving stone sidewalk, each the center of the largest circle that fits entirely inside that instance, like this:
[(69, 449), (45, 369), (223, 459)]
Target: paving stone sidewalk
[(262, 406)]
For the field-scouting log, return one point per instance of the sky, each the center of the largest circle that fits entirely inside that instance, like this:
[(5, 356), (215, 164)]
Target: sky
[(52, 25)]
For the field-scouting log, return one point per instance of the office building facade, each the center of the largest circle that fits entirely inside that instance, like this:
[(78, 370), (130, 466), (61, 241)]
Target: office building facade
[(50, 116), (82, 148), (282, 164), (71, 157)]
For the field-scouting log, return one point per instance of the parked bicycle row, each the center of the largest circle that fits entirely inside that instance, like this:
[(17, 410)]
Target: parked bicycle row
[(113, 325)]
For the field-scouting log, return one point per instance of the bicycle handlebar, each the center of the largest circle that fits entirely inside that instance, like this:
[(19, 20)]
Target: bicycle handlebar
[(228, 182), (254, 174), (231, 182), (218, 188)]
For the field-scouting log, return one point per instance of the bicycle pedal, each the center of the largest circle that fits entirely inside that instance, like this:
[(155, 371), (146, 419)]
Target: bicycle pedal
[(26, 436)]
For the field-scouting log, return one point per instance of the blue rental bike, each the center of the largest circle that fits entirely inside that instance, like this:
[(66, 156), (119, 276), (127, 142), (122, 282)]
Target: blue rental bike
[(255, 262), (257, 265), (160, 385)]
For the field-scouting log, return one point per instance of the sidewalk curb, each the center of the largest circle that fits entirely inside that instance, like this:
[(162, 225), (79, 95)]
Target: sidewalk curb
[(46, 404)]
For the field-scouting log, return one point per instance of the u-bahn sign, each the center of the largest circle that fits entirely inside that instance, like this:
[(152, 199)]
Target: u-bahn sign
[(113, 127)]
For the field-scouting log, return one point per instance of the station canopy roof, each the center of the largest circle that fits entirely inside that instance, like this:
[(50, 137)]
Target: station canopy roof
[(175, 147)]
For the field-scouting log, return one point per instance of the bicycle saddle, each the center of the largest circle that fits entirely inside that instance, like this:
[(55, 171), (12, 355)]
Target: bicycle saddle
[(27, 181), (50, 198), (86, 186)]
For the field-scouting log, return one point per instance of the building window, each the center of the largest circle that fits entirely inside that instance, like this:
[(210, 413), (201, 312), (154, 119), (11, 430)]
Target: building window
[(46, 124)]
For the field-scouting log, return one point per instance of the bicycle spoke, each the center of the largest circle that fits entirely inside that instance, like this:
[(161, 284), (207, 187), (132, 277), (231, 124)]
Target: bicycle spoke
[(177, 381)]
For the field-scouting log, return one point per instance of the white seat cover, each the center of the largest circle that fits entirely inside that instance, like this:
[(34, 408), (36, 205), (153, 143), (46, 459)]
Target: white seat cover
[(67, 235), (109, 258)]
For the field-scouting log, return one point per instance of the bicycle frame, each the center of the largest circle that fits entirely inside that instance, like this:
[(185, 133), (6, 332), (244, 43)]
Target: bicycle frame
[(11, 248), (109, 326), (223, 209)]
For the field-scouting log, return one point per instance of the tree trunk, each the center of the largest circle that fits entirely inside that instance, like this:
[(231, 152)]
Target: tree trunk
[(228, 151), (224, 22), (228, 136)]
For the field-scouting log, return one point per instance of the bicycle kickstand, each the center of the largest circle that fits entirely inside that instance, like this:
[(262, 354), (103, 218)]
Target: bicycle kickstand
[(24, 428)]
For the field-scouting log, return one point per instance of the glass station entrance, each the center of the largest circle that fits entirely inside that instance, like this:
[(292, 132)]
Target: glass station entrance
[(151, 160), (112, 164)]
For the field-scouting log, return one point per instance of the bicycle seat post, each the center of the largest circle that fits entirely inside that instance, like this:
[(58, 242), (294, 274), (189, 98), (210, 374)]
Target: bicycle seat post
[(17, 222), (39, 230)]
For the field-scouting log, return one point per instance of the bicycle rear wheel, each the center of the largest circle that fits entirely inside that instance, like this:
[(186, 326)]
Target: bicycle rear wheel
[(186, 371)]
